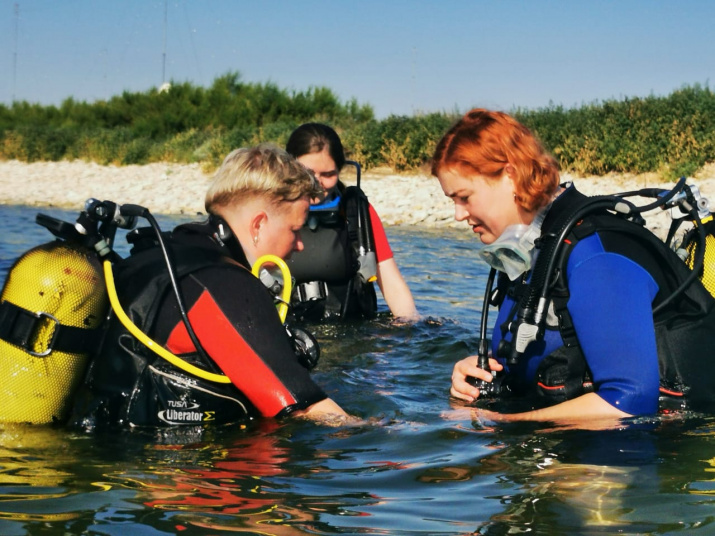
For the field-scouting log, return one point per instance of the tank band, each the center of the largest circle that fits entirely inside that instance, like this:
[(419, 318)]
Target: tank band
[(21, 327)]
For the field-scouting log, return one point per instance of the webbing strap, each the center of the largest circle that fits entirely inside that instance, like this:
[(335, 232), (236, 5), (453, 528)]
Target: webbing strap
[(20, 327)]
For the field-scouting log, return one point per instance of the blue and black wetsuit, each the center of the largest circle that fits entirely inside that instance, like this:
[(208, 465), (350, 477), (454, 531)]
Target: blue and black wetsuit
[(615, 274)]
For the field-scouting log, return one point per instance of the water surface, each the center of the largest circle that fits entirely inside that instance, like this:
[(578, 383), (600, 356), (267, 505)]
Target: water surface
[(418, 467)]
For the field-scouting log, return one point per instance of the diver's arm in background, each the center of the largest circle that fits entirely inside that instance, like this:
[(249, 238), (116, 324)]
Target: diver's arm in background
[(392, 285), (395, 290)]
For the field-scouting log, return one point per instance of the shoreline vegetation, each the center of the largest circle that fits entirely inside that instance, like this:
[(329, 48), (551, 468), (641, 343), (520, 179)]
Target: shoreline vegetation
[(158, 148), (671, 136)]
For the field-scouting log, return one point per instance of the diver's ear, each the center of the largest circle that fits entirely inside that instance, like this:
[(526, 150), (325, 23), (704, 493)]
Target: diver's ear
[(257, 222), (509, 178)]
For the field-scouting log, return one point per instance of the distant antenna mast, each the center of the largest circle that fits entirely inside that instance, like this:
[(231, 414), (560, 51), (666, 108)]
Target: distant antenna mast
[(14, 53), (414, 78), (163, 59)]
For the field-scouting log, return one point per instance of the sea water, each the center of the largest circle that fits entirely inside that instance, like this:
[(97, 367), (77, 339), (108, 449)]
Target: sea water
[(418, 465)]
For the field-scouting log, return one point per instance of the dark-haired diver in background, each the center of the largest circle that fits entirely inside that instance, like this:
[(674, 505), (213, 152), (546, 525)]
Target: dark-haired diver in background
[(257, 202), (612, 338), (329, 284)]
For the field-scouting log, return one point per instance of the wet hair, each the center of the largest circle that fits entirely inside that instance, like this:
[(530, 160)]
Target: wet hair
[(264, 170), (484, 142), (312, 138)]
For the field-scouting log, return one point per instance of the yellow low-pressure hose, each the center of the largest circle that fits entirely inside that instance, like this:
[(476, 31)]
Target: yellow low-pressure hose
[(287, 282), (163, 352), (146, 340)]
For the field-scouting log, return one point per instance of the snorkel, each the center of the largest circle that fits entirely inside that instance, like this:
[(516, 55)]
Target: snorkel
[(330, 203)]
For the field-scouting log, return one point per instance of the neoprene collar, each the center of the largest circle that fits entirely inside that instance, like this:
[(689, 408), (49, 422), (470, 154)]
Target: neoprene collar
[(219, 234)]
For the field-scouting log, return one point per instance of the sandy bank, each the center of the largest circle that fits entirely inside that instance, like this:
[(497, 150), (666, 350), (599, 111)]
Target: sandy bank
[(179, 189)]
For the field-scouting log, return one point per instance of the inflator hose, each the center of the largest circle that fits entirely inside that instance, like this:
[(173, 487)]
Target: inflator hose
[(541, 279), (596, 203), (483, 352), (287, 281)]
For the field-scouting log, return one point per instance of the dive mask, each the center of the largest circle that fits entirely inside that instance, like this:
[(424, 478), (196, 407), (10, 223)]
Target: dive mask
[(331, 203), (511, 252), (326, 211)]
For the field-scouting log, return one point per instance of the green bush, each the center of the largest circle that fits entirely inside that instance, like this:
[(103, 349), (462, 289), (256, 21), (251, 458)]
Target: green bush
[(672, 135), (183, 146)]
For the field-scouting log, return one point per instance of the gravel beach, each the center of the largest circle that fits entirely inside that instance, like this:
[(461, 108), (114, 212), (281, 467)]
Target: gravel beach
[(179, 189)]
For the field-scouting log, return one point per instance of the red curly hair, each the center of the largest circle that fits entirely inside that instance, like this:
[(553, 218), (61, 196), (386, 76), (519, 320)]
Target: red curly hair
[(484, 142)]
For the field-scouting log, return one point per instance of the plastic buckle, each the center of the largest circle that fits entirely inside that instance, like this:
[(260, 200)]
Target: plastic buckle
[(55, 333)]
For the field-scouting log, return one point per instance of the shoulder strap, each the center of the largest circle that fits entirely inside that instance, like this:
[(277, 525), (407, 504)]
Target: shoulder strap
[(357, 215), (143, 278)]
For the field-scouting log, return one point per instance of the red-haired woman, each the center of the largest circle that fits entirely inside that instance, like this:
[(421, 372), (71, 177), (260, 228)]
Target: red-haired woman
[(594, 347)]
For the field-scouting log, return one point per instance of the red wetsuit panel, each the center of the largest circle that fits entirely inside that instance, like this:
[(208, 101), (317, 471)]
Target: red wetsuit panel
[(383, 251), (233, 355)]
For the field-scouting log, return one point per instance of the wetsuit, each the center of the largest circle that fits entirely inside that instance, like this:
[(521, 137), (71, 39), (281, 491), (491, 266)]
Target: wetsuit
[(613, 279), (383, 251), (327, 284), (235, 320)]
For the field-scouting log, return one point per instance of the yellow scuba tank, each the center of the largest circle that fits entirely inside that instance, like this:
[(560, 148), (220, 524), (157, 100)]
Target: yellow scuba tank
[(696, 208), (53, 300), (707, 277)]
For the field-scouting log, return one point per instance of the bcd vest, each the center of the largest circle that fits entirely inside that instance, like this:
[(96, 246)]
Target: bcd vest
[(128, 384), (327, 283), (684, 329)]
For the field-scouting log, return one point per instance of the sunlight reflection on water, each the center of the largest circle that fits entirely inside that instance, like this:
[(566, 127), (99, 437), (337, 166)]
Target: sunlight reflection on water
[(418, 467)]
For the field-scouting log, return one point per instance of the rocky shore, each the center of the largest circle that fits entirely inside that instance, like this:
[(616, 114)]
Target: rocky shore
[(180, 188)]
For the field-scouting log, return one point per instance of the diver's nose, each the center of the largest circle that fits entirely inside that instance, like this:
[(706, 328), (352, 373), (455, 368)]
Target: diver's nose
[(299, 246), (460, 213)]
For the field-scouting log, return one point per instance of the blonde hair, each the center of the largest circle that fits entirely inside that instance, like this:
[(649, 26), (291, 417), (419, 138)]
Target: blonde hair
[(262, 171)]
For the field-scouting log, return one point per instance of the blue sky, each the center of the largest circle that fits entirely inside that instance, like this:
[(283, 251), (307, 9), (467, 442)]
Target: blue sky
[(401, 57)]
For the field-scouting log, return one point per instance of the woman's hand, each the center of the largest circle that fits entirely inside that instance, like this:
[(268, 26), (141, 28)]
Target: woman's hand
[(469, 368)]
